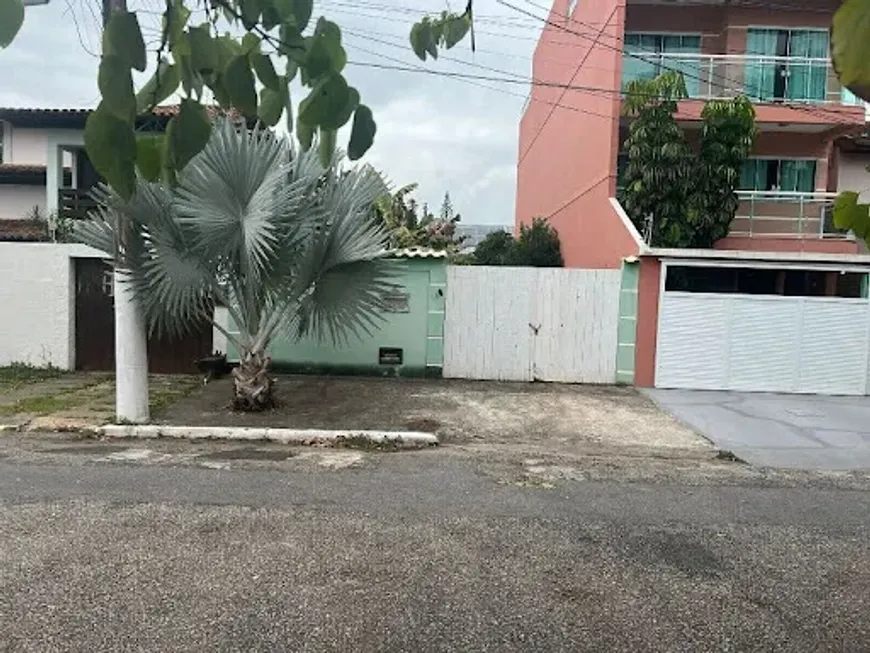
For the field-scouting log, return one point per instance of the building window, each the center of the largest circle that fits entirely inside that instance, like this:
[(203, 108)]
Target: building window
[(649, 55), (774, 77), (766, 281), (788, 175)]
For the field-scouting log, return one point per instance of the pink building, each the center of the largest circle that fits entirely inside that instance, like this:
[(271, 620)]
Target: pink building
[(782, 246)]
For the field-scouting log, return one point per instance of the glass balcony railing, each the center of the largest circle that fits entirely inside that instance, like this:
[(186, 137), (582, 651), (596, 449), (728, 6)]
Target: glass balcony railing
[(761, 78), (782, 214)]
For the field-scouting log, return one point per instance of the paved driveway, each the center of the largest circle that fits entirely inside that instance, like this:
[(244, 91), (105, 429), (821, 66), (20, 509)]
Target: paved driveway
[(776, 430)]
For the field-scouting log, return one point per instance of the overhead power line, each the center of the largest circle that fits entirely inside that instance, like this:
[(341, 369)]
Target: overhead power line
[(822, 112)]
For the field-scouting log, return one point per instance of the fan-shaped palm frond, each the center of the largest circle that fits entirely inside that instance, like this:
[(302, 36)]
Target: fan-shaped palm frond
[(260, 228)]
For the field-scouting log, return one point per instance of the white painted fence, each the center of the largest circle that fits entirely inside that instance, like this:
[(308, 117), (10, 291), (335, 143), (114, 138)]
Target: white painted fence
[(37, 302), (524, 324)]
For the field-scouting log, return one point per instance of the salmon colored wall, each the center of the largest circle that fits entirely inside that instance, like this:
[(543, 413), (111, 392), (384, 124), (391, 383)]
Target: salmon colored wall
[(647, 322), (788, 245), (566, 169)]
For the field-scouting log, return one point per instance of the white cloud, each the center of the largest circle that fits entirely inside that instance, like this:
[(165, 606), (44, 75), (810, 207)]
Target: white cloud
[(446, 134)]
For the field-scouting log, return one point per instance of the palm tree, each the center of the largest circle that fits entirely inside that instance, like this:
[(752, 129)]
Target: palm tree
[(253, 225)]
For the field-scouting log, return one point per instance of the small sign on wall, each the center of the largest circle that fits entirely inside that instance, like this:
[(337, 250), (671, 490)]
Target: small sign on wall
[(396, 302), (390, 356)]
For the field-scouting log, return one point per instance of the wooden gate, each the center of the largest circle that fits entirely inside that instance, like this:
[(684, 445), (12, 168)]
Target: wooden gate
[(95, 328)]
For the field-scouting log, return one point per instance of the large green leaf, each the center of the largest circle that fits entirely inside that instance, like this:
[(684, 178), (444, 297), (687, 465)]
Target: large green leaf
[(149, 156), (305, 135), (239, 82), (11, 20), (850, 46), (123, 38), (330, 103), (326, 146), (187, 133), (291, 43), (455, 30), (203, 49), (325, 53), (227, 48), (418, 44), (271, 106), (850, 215), (111, 148), (115, 81), (299, 11), (362, 133), (262, 64), (250, 12), (177, 20), (191, 80), (161, 85)]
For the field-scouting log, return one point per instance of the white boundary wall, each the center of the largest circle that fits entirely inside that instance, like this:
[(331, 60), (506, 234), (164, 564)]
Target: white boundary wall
[(37, 302)]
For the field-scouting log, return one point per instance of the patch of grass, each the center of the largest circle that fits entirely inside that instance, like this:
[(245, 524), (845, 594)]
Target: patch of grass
[(165, 391), (19, 373), (45, 405)]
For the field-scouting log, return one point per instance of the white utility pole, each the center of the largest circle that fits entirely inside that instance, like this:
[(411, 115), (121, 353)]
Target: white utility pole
[(131, 336)]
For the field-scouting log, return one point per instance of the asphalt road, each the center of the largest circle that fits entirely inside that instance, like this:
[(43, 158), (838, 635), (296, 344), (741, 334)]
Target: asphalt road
[(420, 552)]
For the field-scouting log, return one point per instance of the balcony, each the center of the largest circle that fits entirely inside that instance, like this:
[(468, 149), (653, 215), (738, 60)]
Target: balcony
[(780, 214), (762, 78), (75, 204)]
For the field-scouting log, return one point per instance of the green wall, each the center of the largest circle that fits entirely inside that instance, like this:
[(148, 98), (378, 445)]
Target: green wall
[(418, 332), (627, 325)]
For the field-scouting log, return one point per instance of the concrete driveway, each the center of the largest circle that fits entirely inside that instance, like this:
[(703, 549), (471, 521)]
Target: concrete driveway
[(796, 431)]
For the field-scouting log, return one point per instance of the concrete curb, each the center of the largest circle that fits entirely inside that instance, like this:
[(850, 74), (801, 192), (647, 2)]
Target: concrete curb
[(400, 439)]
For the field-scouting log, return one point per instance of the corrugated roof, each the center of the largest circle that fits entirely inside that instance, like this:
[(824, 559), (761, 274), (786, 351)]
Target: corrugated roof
[(418, 252), (12, 114)]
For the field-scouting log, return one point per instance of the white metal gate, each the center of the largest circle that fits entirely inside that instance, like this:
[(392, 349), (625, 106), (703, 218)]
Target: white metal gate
[(763, 343), (524, 324)]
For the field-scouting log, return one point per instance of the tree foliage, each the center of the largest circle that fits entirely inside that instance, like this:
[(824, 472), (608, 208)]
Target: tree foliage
[(536, 246), (251, 73), (412, 225), (676, 195), (283, 243), (850, 49)]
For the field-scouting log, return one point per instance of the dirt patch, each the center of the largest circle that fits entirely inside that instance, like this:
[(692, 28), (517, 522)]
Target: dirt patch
[(552, 417)]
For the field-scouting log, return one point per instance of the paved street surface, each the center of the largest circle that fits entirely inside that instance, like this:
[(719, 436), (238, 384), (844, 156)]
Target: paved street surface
[(166, 546), (790, 431)]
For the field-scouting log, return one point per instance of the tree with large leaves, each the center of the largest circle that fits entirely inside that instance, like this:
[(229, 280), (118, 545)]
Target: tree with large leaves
[(850, 50), (286, 245), (250, 73), (675, 195)]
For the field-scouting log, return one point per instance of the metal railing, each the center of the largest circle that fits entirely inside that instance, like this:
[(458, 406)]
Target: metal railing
[(761, 78), (75, 204), (783, 214)]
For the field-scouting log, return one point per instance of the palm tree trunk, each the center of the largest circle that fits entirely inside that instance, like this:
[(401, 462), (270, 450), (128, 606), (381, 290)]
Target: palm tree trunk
[(252, 385)]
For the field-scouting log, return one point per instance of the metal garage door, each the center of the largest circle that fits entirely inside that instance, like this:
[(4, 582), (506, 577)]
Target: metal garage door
[(750, 343)]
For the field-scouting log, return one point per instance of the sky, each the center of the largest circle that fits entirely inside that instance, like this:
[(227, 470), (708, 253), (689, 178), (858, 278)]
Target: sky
[(446, 134)]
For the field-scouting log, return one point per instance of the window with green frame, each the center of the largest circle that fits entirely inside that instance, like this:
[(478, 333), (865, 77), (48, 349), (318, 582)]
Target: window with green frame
[(787, 175), (643, 60), (802, 80)]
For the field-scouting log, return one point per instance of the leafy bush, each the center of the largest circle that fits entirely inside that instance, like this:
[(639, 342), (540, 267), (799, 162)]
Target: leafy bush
[(537, 246)]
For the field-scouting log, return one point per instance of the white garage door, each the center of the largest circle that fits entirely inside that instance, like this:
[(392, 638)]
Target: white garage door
[(815, 345)]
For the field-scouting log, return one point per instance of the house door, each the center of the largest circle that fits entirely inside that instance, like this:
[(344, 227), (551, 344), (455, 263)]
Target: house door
[(95, 328), (94, 316)]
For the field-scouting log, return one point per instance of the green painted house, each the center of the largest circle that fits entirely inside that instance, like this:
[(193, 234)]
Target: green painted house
[(409, 342)]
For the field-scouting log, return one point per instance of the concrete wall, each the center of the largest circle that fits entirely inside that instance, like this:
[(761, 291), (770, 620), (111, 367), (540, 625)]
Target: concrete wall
[(568, 139), (28, 146), (37, 303), (418, 332), (853, 174), (17, 201)]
